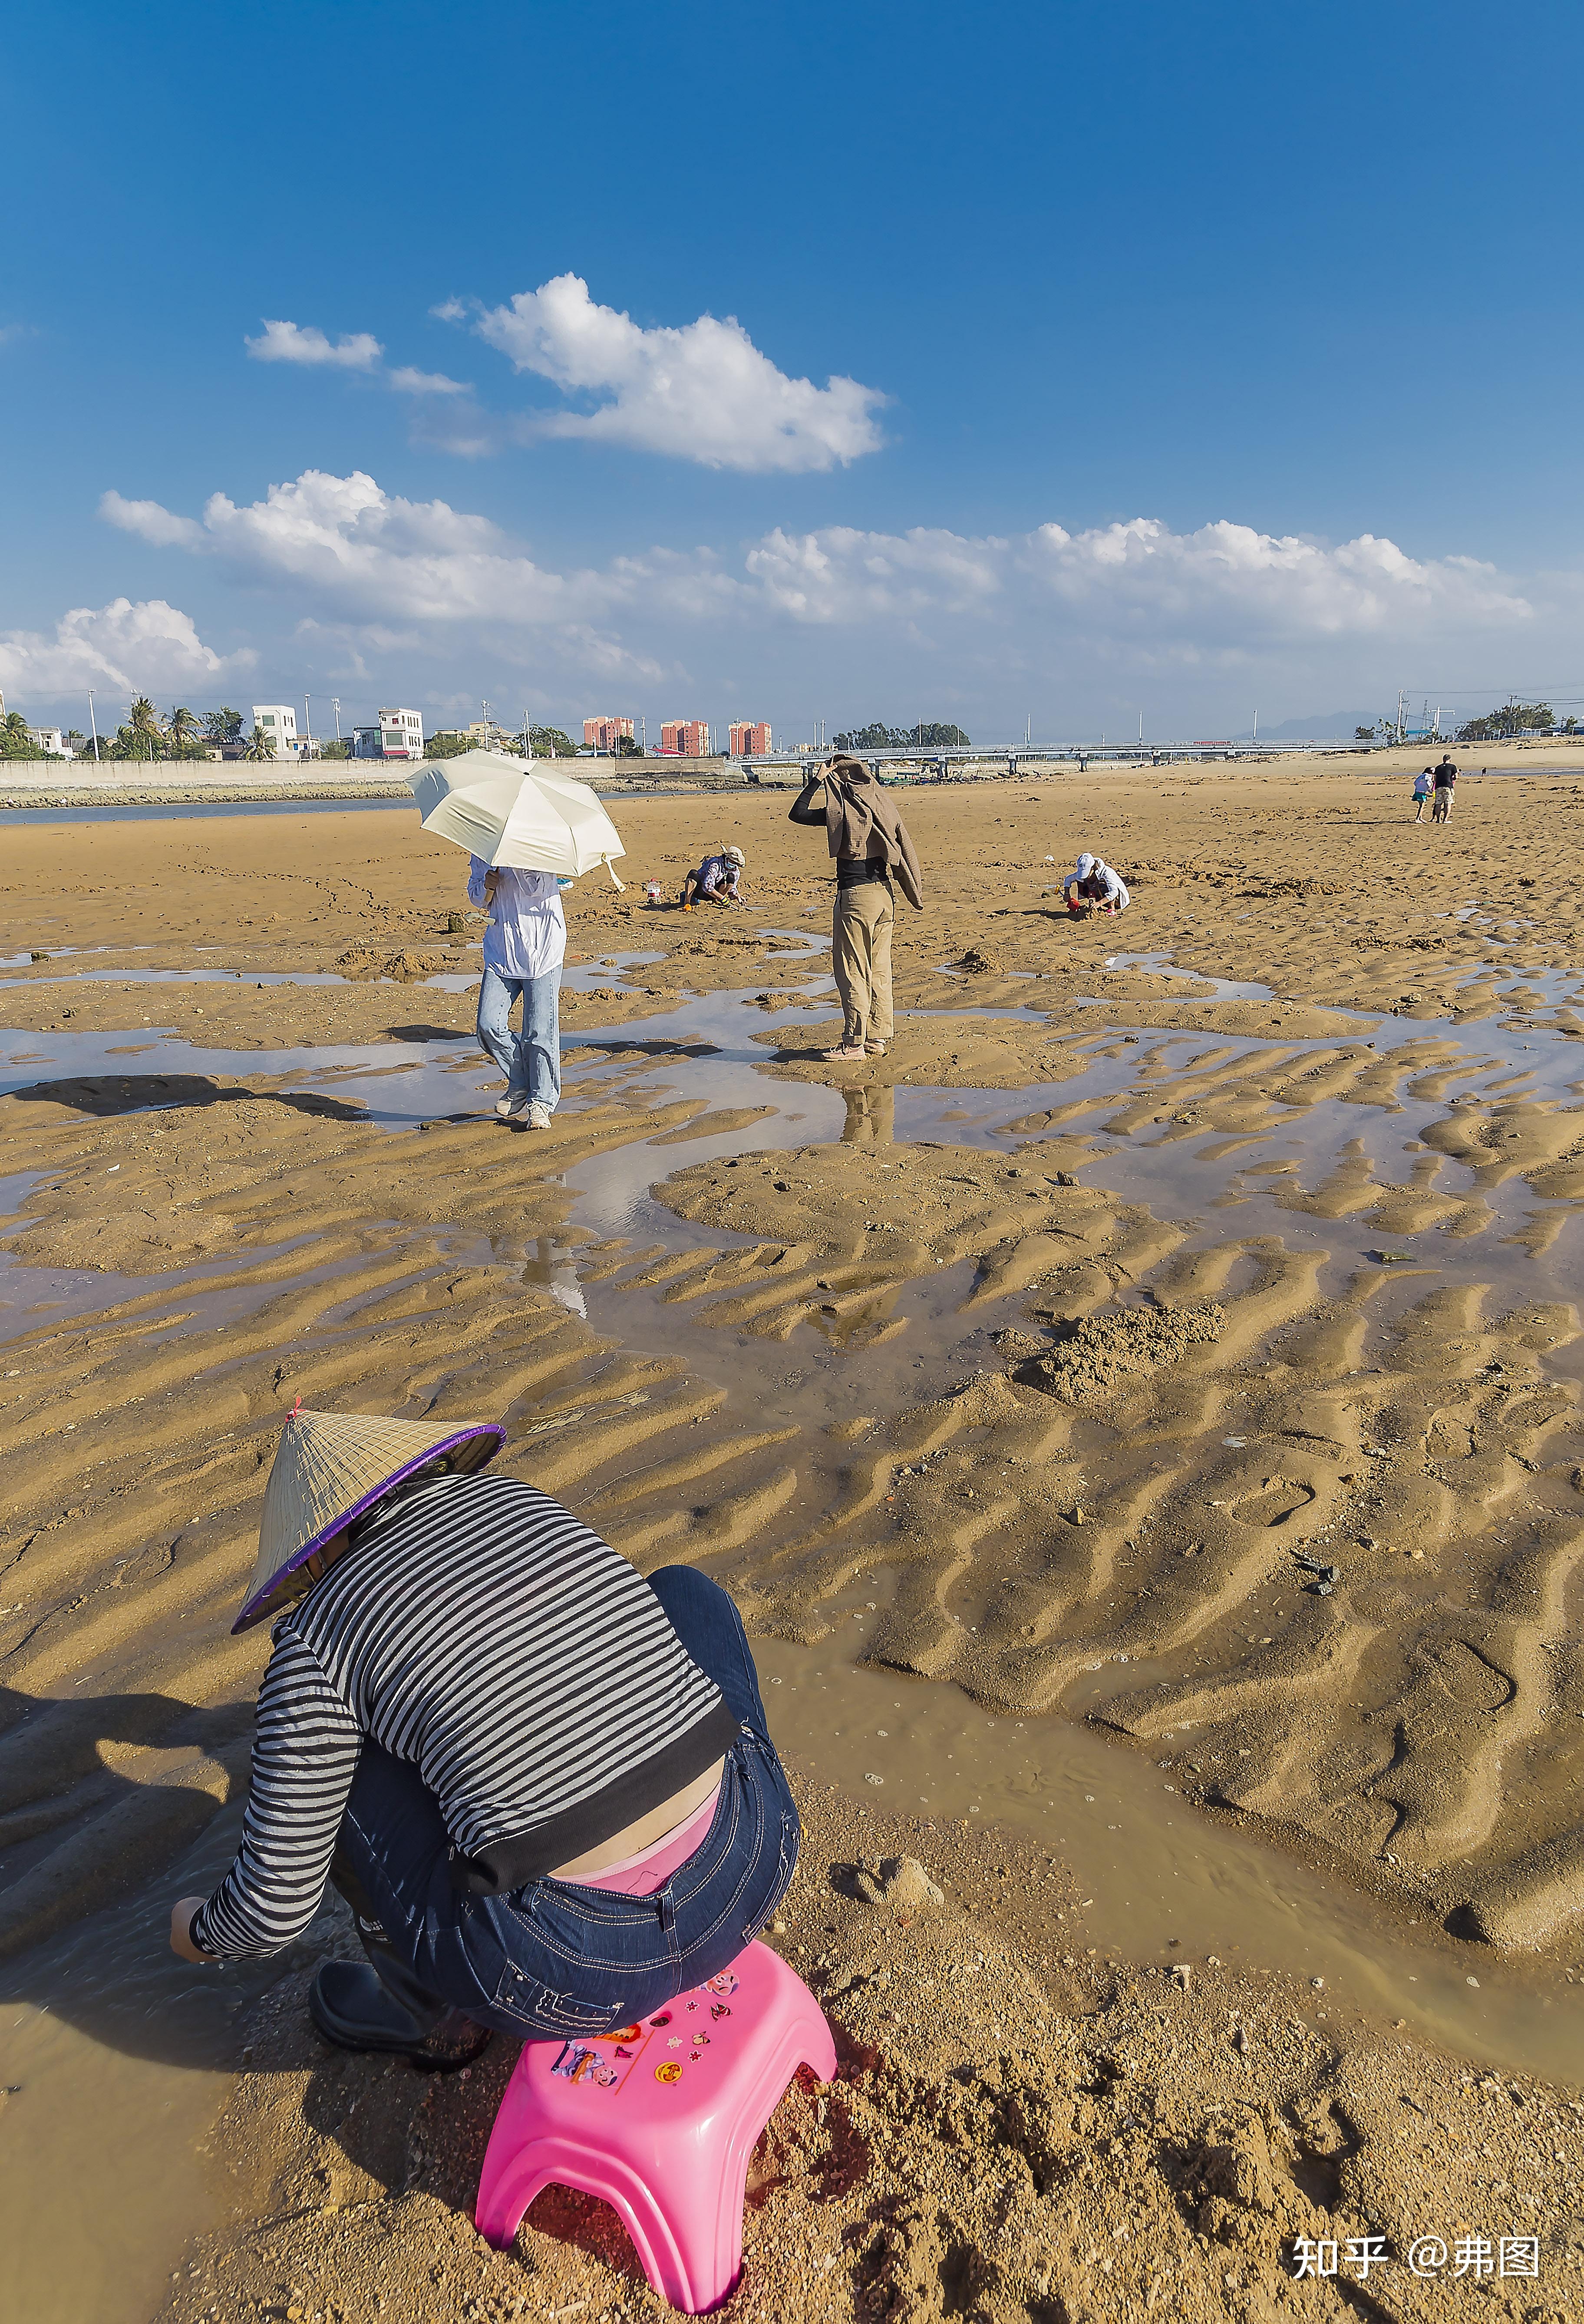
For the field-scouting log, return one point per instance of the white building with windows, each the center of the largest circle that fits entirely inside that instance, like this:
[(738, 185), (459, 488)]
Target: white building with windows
[(397, 735), (278, 720)]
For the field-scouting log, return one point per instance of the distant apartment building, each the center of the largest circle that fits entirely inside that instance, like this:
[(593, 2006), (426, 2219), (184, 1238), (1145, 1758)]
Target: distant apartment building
[(686, 738), (751, 742), (52, 742), (606, 734), (278, 722), (397, 735)]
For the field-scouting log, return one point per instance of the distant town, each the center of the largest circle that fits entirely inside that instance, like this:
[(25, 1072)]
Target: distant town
[(271, 733)]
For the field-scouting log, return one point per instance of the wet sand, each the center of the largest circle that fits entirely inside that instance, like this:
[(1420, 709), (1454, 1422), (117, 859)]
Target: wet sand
[(1200, 1365)]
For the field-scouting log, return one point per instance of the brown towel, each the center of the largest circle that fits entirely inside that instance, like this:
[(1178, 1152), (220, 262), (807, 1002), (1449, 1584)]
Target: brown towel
[(858, 813)]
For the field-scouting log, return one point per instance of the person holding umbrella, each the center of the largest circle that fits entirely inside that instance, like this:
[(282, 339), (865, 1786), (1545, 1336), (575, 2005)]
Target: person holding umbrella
[(525, 946), (529, 833)]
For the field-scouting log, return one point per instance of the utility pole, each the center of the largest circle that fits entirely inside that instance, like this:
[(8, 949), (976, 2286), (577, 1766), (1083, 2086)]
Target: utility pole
[(308, 726), (336, 705), (94, 723), (1399, 716), (1256, 735), (528, 735)]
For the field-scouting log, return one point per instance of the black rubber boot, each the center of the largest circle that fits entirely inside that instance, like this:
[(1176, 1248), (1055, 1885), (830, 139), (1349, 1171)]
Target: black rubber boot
[(379, 2005), (352, 2005)]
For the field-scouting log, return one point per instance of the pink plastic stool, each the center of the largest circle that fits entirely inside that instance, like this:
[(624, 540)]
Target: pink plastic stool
[(659, 2120)]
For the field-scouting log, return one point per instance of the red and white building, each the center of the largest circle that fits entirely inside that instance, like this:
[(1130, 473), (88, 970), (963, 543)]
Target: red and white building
[(686, 738), (605, 734), (750, 741)]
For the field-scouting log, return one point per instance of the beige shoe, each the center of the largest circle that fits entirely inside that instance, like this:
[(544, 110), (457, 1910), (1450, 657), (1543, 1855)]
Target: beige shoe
[(874, 1049), (539, 1116), (843, 1057)]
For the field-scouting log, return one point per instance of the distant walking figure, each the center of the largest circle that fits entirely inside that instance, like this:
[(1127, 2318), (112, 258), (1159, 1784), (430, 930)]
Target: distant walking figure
[(871, 844), (1446, 781), (1423, 783)]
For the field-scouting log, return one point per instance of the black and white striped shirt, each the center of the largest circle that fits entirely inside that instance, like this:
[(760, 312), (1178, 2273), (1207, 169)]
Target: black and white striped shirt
[(476, 1629)]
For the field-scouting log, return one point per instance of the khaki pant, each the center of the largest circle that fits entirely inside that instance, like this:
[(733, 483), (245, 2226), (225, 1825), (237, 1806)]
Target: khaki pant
[(862, 958)]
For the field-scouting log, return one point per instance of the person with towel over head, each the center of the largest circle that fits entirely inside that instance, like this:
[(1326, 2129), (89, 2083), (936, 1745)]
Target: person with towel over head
[(871, 844), (1094, 882), (544, 1786)]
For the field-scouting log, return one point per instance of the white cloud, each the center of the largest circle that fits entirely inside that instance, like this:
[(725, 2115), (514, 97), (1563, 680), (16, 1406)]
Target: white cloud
[(304, 342), (1138, 587), (703, 393), (370, 563), (1077, 620), (407, 381), (128, 649)]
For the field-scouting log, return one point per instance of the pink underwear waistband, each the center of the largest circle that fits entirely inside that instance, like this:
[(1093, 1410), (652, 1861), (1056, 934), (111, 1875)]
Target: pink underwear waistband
[(652, 1866)]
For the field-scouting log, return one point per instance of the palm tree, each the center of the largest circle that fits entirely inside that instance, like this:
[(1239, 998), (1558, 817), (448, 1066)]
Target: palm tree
[(222, 726), (17, 739), (182, 727), (144, 722), (260, 745)]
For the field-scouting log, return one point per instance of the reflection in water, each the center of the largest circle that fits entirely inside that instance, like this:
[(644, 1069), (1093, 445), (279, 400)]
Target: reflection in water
[(554, 1267), (872, 1115)]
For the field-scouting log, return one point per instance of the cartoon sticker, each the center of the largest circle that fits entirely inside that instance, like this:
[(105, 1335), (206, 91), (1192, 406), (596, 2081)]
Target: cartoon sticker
[(669, 2072), (578, 2063)]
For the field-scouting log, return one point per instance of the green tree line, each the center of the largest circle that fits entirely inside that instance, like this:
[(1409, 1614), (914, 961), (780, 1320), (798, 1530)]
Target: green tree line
[(925, 736)]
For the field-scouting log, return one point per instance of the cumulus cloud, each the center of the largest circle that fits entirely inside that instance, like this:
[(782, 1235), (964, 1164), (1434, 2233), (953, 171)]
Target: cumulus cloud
[(149, 647), (1225, 589), (703, 392), (369, 561), (304, 342), (1089, 615)]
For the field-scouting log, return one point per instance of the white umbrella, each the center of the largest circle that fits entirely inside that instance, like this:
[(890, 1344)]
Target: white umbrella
[(510, 811)]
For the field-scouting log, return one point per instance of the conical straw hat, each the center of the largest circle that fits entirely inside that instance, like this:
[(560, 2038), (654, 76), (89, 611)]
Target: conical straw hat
[(329, 1468)]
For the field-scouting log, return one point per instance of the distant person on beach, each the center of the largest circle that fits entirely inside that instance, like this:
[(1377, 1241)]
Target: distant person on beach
[(1094, 883), (544, 1785), (716, 880), (1446, 783), (870, 842), (525, 945), (1424, 782)]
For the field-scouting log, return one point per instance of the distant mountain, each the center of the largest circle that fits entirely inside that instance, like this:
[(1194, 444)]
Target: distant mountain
[(1325, 726)]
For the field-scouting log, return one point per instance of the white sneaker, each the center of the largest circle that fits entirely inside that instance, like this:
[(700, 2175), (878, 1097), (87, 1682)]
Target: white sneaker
[(539, 1116), (506, 1106)]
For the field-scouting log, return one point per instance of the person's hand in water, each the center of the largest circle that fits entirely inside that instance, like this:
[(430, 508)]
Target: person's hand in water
[(181, 1942)]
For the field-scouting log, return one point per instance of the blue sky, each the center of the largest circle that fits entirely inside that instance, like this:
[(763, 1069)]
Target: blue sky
[(1088, 360)]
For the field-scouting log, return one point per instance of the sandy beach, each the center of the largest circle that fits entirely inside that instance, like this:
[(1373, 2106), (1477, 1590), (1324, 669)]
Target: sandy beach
[(1165, 1360)]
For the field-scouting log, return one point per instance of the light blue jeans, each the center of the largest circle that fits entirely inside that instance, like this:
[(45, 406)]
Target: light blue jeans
[(532, 1059)]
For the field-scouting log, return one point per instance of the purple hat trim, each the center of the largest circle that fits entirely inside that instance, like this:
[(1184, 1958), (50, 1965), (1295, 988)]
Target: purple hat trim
[(257, 1605)]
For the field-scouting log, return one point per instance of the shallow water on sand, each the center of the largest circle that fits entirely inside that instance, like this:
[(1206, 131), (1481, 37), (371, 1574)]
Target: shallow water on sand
[(120, 2050)]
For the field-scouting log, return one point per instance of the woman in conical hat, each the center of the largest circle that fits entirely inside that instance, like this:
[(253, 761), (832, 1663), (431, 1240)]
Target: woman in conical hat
[(544, 1785)]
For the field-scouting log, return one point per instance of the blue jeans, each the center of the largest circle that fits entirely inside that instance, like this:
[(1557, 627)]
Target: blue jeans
[(532, 1059), (555, 1958)]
